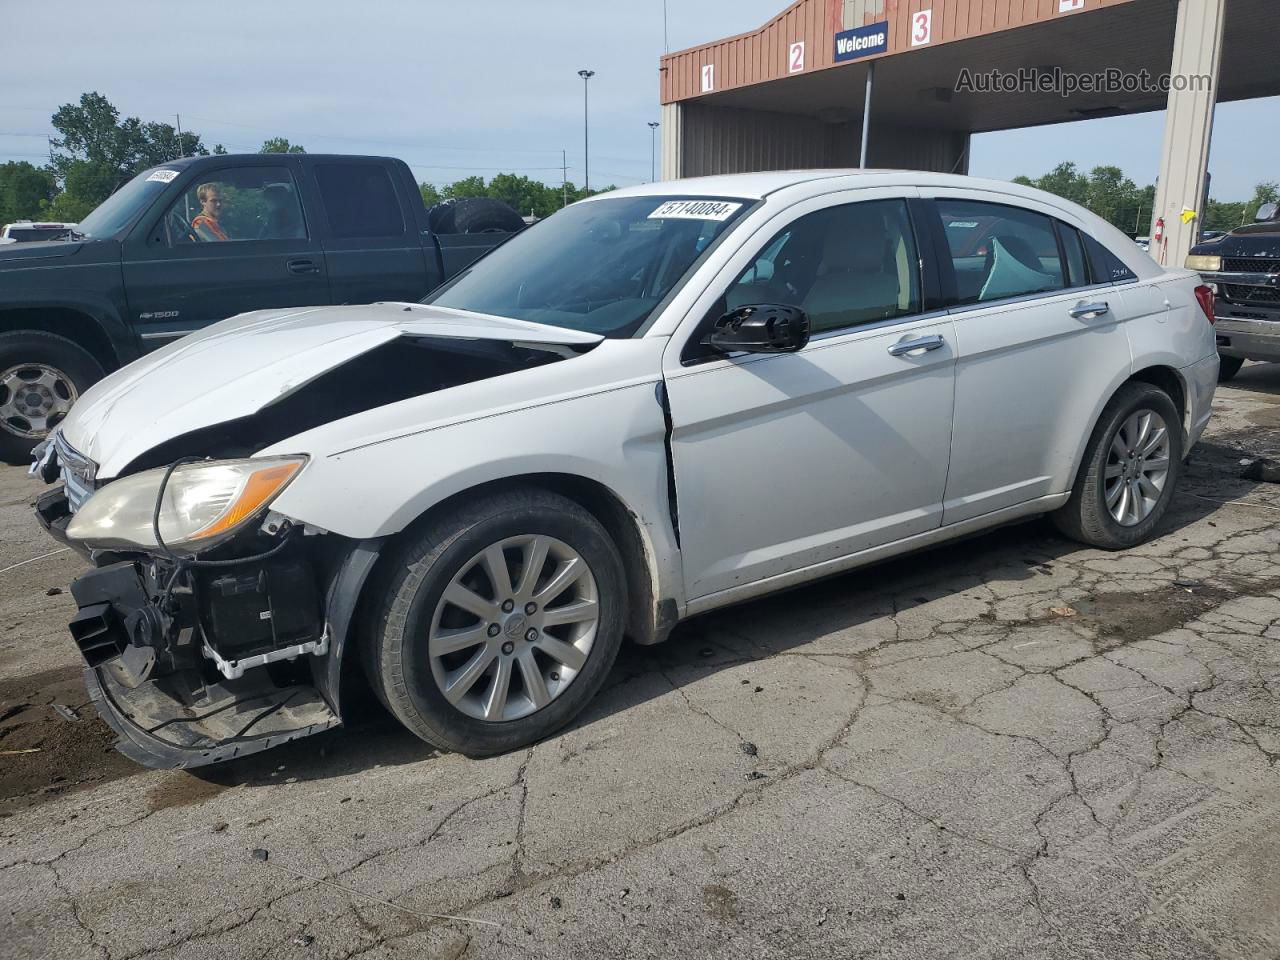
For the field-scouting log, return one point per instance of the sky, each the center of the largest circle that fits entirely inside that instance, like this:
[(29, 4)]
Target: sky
[(463, 88)]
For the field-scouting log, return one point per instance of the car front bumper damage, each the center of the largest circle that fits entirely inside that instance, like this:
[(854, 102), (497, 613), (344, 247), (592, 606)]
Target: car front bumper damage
[(207, 664)]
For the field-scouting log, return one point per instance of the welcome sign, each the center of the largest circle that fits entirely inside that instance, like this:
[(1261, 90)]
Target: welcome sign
[(862, 41)]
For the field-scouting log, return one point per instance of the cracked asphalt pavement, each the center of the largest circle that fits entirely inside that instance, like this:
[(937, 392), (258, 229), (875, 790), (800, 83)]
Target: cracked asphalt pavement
[(1009, 747)]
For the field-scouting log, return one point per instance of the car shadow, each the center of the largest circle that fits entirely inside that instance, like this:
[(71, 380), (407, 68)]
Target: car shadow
[(728, 638), (1257, 377)]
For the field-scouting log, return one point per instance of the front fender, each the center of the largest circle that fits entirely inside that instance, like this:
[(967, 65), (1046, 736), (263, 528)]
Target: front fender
[(616, 438)]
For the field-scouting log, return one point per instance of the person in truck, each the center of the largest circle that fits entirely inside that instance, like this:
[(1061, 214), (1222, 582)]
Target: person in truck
[(207, 223)]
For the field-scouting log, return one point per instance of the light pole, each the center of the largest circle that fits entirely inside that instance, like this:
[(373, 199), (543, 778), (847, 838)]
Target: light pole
[(586, 159), (653, 150)]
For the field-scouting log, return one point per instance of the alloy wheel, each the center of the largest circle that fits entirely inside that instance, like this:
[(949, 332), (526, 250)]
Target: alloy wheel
[(1137, 467), (514, 627)]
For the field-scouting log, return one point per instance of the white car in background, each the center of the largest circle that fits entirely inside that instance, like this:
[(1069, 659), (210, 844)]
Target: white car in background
[(29, 231), (656, 402)]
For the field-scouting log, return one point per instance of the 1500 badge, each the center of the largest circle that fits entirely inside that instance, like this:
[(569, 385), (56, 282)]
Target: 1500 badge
[(159, 315)]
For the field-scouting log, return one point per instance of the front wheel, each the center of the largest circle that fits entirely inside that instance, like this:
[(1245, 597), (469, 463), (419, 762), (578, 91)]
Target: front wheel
[(499, 622), (1129, 472), (41, 376)]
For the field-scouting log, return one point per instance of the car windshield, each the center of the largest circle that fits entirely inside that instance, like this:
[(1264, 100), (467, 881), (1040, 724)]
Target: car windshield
[(126, 204), (600, 265)]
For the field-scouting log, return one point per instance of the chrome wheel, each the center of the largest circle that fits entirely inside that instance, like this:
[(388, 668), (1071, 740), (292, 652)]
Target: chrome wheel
[(514, 627), (34, 398), (1137, 467)]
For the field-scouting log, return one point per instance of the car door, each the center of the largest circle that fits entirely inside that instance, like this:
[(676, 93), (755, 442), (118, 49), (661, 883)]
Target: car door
[(785, 462), (372, 248), (245, 246), (1038, 343)]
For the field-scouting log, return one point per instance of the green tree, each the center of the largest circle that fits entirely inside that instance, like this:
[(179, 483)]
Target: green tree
[(430, 195), (280, 145), (96, 151), (25, 190)]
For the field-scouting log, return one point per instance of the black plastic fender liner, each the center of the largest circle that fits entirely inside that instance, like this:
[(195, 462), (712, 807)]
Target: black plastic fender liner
[(345, 586)]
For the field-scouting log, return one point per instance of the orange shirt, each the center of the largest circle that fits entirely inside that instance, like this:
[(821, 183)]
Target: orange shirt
[(207, 228)]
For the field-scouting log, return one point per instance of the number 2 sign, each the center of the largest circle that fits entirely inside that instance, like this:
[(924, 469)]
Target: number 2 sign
[(921, 28), (795, 57)]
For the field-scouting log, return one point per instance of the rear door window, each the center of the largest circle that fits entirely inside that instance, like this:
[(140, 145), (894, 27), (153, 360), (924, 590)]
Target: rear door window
[(999, 251), (359, 200), (1107, 267)]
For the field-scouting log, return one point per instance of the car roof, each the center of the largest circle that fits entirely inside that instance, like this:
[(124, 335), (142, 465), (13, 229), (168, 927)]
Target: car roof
[(755, 186)]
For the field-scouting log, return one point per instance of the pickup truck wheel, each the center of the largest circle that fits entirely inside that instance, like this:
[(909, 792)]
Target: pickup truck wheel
[(1129, 472), (1228, 367), (499, 622), (41, 376)]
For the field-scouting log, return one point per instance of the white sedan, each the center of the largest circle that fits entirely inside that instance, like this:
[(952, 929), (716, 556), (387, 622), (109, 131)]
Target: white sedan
[(656, 402)]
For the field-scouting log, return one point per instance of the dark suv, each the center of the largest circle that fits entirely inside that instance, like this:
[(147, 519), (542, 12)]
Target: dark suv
[(198, 240)]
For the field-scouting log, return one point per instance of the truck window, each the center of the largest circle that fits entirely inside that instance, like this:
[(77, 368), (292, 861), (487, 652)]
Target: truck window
[(237, 204), (359, 200)]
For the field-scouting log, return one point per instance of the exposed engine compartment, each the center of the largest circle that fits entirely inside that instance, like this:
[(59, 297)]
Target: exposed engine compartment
[(409, 366)]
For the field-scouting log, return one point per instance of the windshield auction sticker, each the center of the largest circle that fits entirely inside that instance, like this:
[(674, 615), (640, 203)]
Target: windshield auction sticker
[(164, 176), (695, 210)]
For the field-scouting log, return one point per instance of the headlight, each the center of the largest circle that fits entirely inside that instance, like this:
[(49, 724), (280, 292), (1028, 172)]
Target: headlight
[(1205, 264), (203, 503)]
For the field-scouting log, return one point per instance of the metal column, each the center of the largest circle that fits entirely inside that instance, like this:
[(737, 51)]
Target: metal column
[(866, 113), (1188, 126)]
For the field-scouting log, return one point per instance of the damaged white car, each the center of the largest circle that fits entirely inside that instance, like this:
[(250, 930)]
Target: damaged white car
[(656, 402)]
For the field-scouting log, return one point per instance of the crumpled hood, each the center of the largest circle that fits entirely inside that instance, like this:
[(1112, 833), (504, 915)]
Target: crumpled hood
[(235, 368)]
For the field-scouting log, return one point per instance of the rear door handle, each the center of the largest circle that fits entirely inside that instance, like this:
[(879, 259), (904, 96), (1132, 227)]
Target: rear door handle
[(1082, 310), (921, 343), (302, 266)]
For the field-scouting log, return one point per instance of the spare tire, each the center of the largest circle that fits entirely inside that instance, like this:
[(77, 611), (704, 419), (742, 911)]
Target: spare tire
[(474, 215)]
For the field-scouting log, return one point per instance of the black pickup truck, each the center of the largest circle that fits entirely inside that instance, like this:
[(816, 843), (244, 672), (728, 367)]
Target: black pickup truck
[(1243, 266), (191, 242)]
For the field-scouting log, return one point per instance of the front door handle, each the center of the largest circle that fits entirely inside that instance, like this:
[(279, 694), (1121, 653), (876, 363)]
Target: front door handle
[(1082, 310), (302, 266), (921, 343)]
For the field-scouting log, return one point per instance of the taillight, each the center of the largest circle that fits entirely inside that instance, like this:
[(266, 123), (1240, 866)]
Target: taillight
[(1205, 295)]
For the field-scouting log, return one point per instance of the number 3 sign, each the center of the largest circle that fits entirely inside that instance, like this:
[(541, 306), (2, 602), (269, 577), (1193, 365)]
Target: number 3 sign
[(921, 28)]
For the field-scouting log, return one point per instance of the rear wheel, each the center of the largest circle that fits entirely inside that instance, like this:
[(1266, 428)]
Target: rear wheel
[(1228, 367), (499, 622), (41, 376), (1129, 472)]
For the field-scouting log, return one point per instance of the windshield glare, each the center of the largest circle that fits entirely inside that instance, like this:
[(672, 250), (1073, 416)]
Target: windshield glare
[(122, 207), (600, 265)]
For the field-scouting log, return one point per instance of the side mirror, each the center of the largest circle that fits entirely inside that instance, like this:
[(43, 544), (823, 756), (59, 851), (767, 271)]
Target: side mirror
[(1266, 212), (760, 328)]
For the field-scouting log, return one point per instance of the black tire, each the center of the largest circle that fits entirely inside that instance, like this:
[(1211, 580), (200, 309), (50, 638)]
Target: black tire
[(474, 215), (1085, 516), (47, 349), (417, 574), (1228, 367)]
